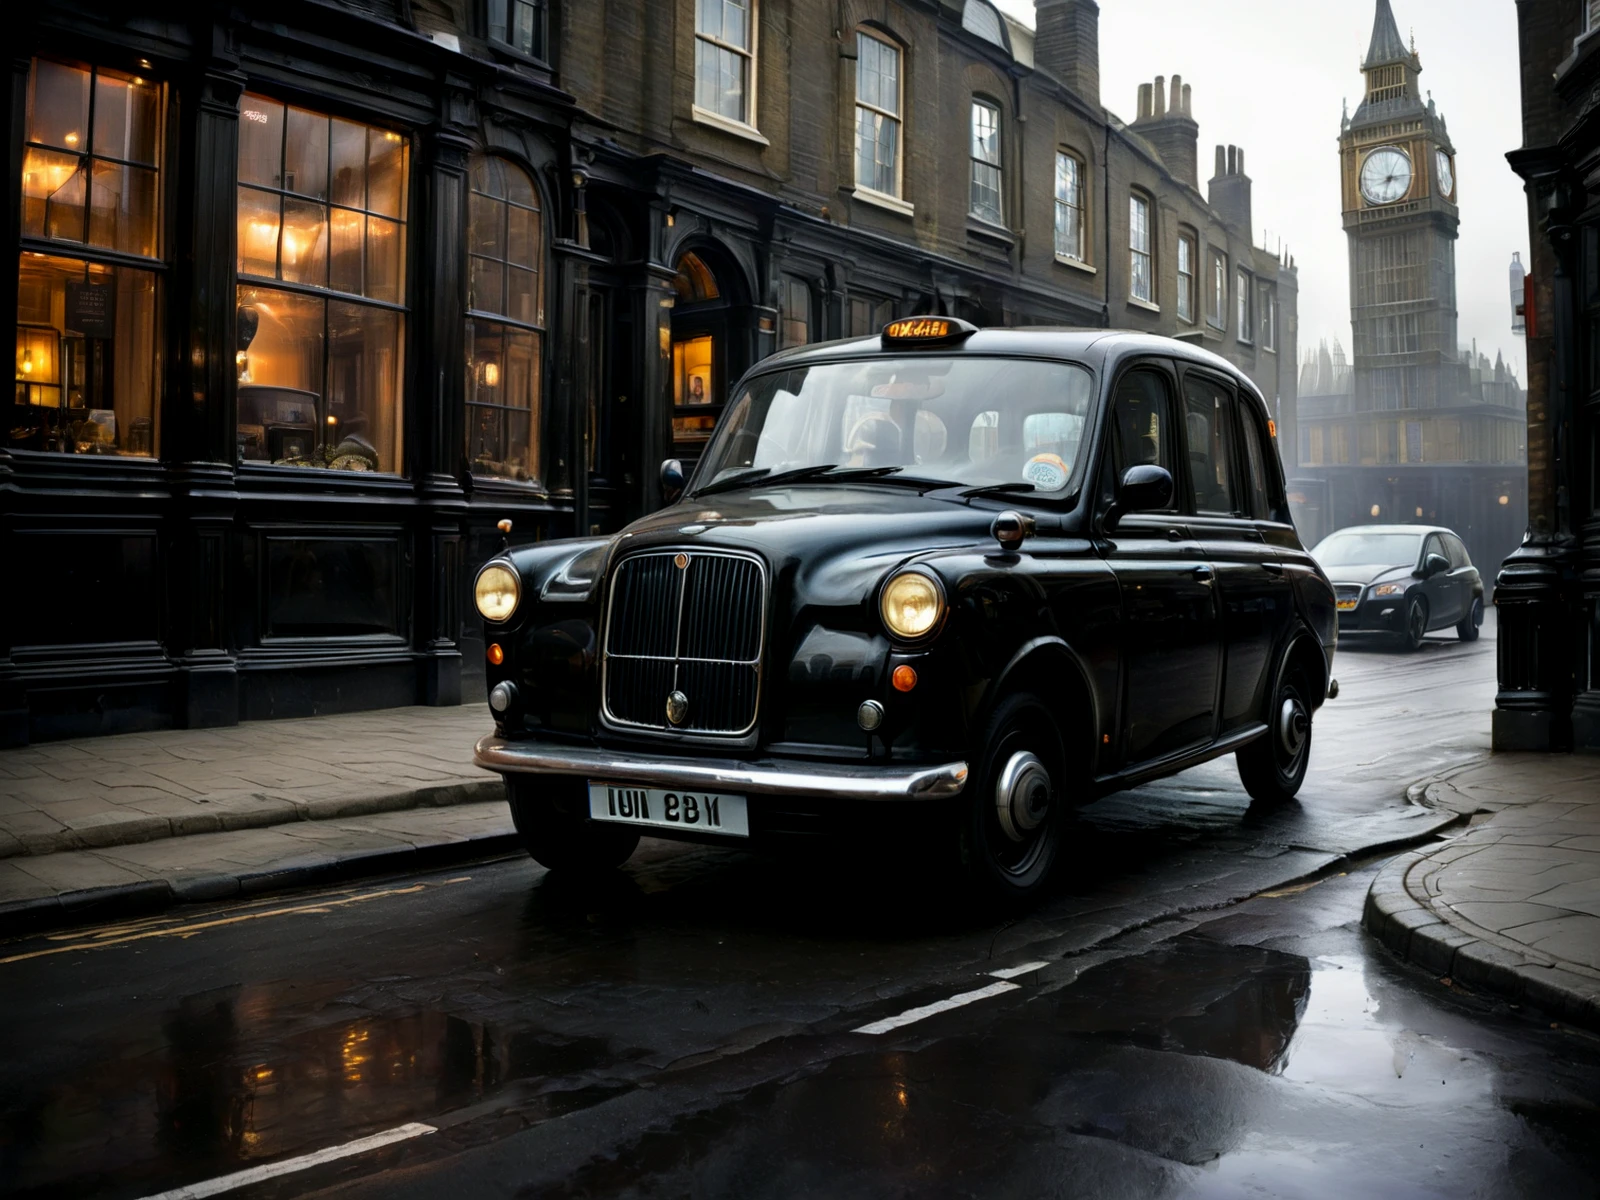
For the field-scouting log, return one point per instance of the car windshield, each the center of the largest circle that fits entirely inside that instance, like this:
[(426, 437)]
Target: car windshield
[(1367, 549), (1015, 424)]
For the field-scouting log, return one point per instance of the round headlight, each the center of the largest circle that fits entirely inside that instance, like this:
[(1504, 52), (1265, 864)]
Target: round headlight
[(911, 605), (496, 592)]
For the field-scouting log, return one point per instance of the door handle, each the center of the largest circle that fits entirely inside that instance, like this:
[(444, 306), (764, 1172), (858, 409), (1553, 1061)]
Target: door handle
[(1174, 535), (1272, 568), (1203, 574)]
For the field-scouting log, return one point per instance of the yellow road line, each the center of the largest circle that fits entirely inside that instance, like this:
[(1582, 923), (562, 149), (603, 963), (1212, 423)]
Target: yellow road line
[(317, 906)]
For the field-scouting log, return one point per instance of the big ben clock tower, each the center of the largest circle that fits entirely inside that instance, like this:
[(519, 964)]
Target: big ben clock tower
[(1401, 218), (1418, 429)]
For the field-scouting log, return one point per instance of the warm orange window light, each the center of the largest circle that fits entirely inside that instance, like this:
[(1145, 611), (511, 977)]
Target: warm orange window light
[(496, 655), (905, 678)]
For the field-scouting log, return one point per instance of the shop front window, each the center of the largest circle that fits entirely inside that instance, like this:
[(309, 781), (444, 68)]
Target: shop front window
[(88, 362), (321, 294), (505, 328)]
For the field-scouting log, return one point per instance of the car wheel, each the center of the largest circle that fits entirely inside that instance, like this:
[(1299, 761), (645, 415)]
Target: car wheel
[(1467, 631), (552, 820), (1273, 767), (1416, 623), (1011, 813)]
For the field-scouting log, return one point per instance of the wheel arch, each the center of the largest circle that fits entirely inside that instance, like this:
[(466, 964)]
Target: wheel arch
[(1303, 651), (1049, 668)]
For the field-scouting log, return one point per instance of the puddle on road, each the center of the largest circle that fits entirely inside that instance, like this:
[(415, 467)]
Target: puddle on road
[(263, 1072), (1199, 1069)]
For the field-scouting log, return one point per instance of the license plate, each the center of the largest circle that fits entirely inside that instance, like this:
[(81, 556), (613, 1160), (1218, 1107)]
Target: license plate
[(1347, 605), (663, 808)]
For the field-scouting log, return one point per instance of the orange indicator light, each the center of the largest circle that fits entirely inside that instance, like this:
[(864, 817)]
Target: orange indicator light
[(496, 655), (1272, 428), (905, 678)]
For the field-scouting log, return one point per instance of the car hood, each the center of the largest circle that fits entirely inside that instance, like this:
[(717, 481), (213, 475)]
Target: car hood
[(1366, 573), (837, 539)]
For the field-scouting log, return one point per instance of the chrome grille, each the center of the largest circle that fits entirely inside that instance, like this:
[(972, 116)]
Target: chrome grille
[(694, 628), (1347, 591)]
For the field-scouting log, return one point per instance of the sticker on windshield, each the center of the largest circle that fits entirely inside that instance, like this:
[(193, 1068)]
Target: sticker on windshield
[(1047, 472)]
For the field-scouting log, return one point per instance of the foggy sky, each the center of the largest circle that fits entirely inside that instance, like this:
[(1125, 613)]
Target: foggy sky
[(1269, 76)]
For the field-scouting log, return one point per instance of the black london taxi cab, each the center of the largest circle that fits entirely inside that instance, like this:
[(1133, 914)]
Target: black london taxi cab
[(964, 579)]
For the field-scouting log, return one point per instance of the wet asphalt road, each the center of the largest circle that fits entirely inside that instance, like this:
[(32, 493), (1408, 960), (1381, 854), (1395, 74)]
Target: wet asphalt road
[(1206, 1018)]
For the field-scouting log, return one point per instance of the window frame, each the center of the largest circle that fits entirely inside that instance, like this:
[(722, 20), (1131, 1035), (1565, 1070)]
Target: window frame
[(1081, 257), (1217, 289), (86, 253), (1188, 293), (792, 285), (539, 328), (540, 53), (327, 293), (998, 221), (898, 196), (746, 123), (1112, 461), (1244, 302), (1267, 315), (1136, 199)]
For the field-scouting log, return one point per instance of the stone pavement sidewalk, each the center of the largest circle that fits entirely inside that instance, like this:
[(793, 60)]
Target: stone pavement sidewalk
[(105, 825), (1512, 905)]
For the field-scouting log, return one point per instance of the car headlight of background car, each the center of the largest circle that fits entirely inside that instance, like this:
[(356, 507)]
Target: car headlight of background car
[(912, 605), (497, 592), (1389, 589)]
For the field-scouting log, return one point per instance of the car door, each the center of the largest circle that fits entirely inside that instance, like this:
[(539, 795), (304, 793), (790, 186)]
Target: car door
[(1442, 590), (1170, 644), (1465, 575), (1227, 492)]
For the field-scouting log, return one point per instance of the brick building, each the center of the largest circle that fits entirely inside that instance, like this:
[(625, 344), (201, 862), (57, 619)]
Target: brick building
[(308, 299)]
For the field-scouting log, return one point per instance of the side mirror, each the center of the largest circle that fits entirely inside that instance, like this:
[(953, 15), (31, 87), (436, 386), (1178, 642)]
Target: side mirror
[(1434, 564), (1145, 488), (672, 480)]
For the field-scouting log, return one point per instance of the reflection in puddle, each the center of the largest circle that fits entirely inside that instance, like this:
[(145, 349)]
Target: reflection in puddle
[(1194, 996), (256, 1073)]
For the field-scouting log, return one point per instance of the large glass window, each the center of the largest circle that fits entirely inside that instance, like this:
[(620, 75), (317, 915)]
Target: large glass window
[(505, 327), (1186, 257), (1070, 236), (724, 58), (1244, 291), (986, 163), (321, 319), (1141, 284), (877, 114), (519, 24), (88, 360)]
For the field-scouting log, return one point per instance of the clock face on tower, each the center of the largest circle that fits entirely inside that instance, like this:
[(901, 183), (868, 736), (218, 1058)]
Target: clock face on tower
[(1447, 177), (1386, 175)]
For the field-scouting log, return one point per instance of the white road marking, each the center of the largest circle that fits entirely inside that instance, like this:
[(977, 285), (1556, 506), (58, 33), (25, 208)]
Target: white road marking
[(1013, 972), (931, 1010), (226, 1183)]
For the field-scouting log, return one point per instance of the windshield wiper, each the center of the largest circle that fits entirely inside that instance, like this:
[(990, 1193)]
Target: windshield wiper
[(764, 476), (998, 489)]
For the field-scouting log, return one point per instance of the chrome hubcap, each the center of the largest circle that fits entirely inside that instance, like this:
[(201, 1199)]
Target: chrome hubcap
[(1022, 796), (1294, 724)]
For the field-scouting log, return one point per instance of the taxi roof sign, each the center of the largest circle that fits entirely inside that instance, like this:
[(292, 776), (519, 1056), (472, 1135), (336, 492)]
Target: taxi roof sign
[(926, 331)]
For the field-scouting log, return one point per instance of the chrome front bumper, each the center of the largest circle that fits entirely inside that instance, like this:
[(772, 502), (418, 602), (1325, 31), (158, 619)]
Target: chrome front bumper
[(770, 777)]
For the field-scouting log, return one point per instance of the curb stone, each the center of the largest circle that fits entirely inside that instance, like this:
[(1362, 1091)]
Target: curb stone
[(1399, 914), (23, 917)]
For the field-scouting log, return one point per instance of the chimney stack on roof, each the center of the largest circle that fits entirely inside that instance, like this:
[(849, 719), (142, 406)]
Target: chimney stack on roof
[(1066, 43), (1229, 190), (1166, 122)]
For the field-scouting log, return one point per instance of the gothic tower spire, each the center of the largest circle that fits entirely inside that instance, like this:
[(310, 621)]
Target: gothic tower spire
[(1387, 45)]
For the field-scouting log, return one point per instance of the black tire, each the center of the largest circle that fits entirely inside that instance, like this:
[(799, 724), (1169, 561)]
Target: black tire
[(552, 819), (1007, 853), (1273, 767), (1416, 623), (1467, 631)]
